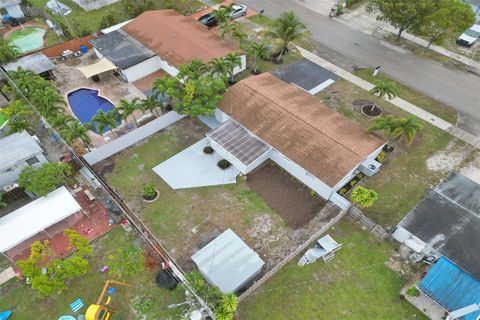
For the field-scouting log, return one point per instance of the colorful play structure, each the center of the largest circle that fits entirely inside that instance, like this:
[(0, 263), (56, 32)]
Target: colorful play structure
[(100, 310), (5, 315)]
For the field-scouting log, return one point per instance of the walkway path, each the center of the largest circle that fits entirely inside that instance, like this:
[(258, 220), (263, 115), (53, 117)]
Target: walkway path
[(6, 275), (132, 137), (403, 104)]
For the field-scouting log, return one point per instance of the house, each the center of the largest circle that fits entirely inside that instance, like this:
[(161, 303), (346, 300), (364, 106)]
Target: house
[(35, 217), (17, 151), (446, 226), (475, 4), (160, 40), (11, 8), (36, 62), (264, 118), (89, 5), (228, 263)]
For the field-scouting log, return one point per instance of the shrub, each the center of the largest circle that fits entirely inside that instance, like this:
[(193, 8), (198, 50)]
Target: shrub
[(224, 164), (363, 197), (412, 291), (381, 156), (208, 150), (149, 192), (342, 191), (142, 305), (126, 262)]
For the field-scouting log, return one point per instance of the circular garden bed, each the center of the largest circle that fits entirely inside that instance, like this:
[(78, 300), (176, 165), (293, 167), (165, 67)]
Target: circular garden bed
[(371, 110), (224, 164)]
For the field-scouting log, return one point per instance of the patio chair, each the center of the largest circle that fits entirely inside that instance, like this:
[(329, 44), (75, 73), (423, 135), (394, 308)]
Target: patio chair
[(76, 305)]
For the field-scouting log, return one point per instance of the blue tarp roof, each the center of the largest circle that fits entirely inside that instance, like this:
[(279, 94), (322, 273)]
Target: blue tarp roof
[(451, 287)]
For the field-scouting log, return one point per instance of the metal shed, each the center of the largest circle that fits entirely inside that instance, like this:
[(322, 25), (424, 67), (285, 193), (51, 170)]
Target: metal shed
[(227, 262)]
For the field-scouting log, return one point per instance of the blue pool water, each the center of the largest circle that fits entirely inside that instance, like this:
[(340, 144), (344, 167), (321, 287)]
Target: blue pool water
[(86, 102)]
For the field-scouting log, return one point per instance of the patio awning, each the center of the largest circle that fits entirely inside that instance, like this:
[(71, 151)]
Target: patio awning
[(35, 217), (101, 66)]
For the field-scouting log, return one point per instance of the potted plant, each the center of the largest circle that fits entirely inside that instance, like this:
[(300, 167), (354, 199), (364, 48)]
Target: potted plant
[(208, 150), (149, 192)]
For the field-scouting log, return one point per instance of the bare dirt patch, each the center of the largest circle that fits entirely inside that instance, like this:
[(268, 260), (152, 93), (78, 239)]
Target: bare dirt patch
[(448, 159), (285, 195)]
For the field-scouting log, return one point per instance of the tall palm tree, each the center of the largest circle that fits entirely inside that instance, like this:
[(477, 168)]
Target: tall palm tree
[(105, 119), (219, 67), (408, 128), (383, 90), (233, 60), (227, 30), (8, 51), (48, 101), (166, 86), (192, 70), (75, 130), (19, 124), (222, 14), (150, 103), (385, 124), (127, 108), (239, 36), (258, 50), (287, 28), (61, 120)]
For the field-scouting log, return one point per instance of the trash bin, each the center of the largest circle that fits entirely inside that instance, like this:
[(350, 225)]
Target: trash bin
[(84, 49)]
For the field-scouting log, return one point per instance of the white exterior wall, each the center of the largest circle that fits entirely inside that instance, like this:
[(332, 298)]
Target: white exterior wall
[(10, 177), (243, 66), (171, 70), (142, 69), (15, 11)]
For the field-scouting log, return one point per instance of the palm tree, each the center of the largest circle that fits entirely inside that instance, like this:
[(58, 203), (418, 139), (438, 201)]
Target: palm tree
[(193, 70), (127, 108), (363, 197), (222, 14), (219, 67), (48, 102), (168, 86), (222, 314), (287, 28), (232, 60), (239, 36), (19, 125), (408, 128), (385, 124), (61, 120), (227, 30), (383, 89), (74, 131), (150, 103), (258, 50), (8, 51), (229, 302), (105, 119)]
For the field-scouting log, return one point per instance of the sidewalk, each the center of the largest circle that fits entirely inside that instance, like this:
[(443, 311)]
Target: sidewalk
[(403, 104), (367, 23)]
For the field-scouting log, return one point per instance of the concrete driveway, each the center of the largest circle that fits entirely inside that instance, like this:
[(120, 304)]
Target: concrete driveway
[(193, 168), (307, 75)]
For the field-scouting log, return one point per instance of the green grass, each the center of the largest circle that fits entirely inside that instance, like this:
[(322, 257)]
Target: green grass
[(26, 306), (426, 103), (91, 19), (260, 20), (176, 212), (355, 285), (2, 119), (404, 178), (53, 38)]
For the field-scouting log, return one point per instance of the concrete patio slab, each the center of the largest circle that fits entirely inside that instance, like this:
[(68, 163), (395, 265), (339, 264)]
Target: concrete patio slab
[(193, 168)]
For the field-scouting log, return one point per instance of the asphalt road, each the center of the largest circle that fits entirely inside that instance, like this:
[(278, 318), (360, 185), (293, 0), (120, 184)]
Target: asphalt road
[(343, 45)]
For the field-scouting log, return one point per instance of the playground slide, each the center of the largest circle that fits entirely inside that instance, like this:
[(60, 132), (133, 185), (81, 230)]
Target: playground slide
[(5, 315)]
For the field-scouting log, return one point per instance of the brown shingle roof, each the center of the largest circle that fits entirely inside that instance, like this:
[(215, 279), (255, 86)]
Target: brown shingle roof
[(297, 124), (176, 38)]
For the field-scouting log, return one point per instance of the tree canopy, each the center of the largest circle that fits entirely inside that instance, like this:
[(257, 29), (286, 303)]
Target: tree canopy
[(44, 179), (126, 261), (287, 28), (363, 197)]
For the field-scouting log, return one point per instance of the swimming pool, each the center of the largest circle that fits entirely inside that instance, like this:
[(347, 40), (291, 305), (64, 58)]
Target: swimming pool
[(28, 38), (86, 102)]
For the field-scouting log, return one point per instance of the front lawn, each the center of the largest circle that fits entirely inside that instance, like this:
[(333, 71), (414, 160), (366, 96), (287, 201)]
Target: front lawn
[(422, 101), (405, 177), (356, 284), (26, 306)]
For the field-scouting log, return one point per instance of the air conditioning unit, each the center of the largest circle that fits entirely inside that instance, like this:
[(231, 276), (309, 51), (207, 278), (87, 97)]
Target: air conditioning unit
[(369, 167)]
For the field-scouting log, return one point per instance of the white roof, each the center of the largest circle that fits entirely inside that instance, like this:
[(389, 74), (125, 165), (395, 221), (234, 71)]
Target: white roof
[(228, 262), (115, 27), (36, 216), (17, 147)]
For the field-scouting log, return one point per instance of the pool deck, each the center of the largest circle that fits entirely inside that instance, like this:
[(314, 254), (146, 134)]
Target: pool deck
[(69, 79)]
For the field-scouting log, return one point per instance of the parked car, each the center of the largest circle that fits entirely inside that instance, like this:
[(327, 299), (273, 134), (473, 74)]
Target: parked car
[(208, 20), (469, 37), (237, 11)]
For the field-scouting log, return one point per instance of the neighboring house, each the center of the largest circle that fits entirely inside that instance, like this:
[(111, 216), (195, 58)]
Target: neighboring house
[(11, 8), (35, 217), (17, 151), (88, 5), (265, 118), (160, 40), (36, 62), (446, 226)]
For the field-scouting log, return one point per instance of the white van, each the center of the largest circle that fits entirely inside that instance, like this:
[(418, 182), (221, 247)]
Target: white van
[(469, 37)]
